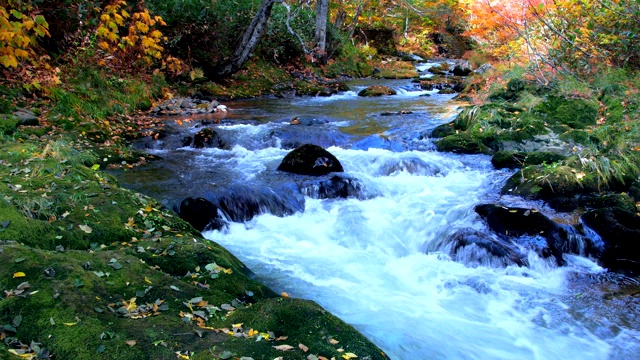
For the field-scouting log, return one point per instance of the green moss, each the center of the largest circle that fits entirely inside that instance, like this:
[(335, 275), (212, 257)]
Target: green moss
[(463, 144), (576, 113), (302, 322), (516, 159), (377, 90), (395, 70), (8, 124)]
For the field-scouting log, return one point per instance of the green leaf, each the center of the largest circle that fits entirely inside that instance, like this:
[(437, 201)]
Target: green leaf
[(78, 283), (18, 15), (41, 21), (19, 260), (95, 167)]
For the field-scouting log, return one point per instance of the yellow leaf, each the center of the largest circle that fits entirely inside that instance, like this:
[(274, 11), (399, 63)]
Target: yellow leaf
[(236, 326), (284, 294), (147, 280), (252, 333), (28, 24), (348, 356), (24, 356), (9, 61), (71, 324), (19, 274)]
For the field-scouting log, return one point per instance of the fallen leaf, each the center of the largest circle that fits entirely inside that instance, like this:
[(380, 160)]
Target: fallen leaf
[(19, 260), (85, 228), (284, 294), (333, 341), (131, 342), (19, 274), (349, 355), (282, 338), (303, 347), (283, 347)]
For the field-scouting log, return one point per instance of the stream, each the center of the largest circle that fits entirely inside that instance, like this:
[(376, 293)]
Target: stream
[(384, 261)]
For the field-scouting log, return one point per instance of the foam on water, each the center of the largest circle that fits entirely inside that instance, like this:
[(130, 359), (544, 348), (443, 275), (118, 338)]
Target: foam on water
[(365, 261)]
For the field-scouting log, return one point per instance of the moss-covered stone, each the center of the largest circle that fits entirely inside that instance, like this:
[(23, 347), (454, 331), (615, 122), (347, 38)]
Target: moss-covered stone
[(377, 90), (462, 144), (514, 159), (395, 70), (576, 113), (443, 130)]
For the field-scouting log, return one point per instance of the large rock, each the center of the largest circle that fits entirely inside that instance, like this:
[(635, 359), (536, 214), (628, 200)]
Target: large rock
[(472, 247), (207, 138), (242, 203), (201, 213), (518, 222), (26, 118), (620, 232), (377, 90), (310, 159)]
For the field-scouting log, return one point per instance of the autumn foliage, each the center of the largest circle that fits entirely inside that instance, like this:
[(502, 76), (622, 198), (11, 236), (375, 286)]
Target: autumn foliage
[(20, 25)]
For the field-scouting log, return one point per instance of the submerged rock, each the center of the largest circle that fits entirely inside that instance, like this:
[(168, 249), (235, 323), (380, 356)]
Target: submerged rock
[(620, 232), (310, 159), (517, 222), (337, 186), (472, 247)]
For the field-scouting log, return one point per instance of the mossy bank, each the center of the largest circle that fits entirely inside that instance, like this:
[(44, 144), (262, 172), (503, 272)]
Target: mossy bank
[(95, 271)]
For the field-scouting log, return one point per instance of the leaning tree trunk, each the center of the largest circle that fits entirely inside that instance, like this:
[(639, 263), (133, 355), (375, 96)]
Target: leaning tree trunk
[(322, 13), (249, 41)]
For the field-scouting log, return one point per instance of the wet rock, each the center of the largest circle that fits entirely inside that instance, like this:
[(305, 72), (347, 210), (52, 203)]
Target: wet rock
[(377, 90), (401, 112), (620, 232), (307, 130), (518, 222), (473, 247), (443, 130), (462, 70), (201, 214), (337, 186), (207, 138), (242, 203), (310, 159), (563, 204)]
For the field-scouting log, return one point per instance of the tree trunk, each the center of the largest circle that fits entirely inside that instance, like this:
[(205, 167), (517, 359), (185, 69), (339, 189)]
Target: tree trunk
[(322, 13), (249, 41)]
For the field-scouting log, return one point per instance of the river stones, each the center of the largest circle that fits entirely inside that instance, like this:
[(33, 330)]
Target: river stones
[(207, 138), (620, 232), (377, 90), (201, 214), (518, 222), (310, 159)]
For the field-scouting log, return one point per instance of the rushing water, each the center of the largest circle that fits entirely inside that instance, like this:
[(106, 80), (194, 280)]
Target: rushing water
[(380, 262)]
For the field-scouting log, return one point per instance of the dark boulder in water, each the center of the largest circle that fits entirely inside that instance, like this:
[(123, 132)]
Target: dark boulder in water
[(201, 213), (473, 247), (207, 138), (620, 232), (519, 222), (242, 203), (310, 159), (337, 186)]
